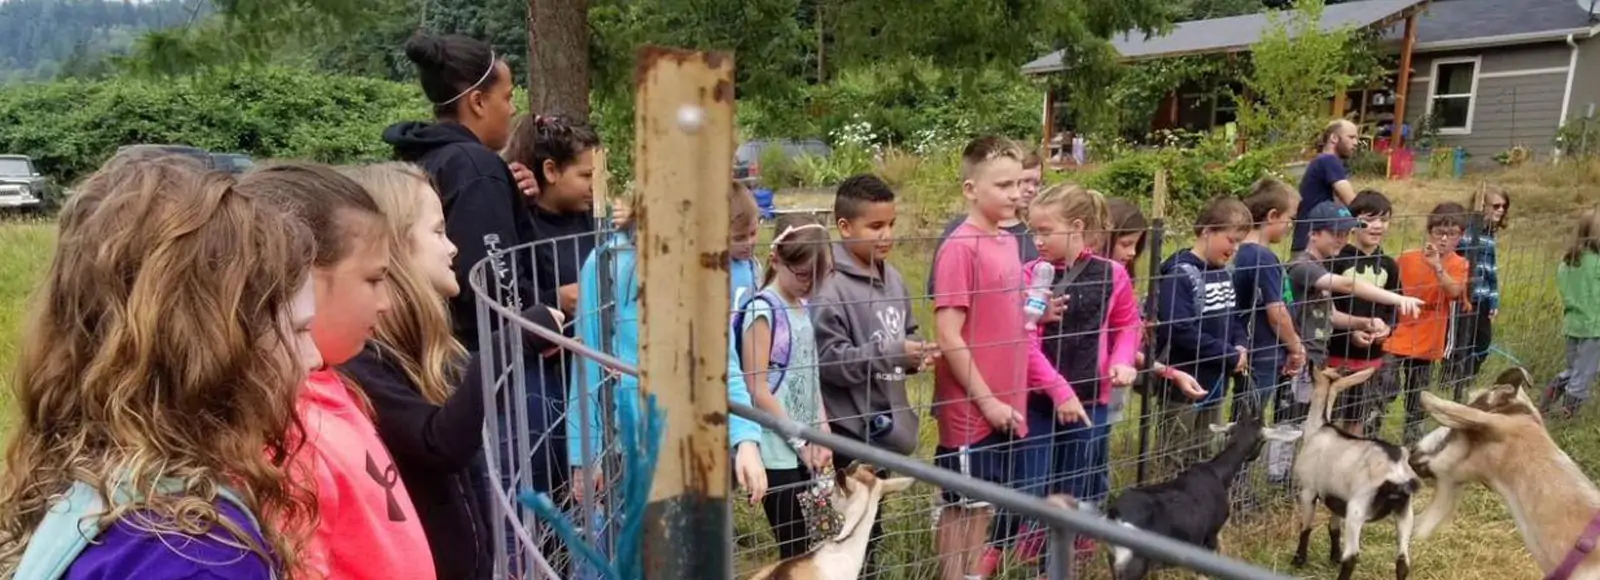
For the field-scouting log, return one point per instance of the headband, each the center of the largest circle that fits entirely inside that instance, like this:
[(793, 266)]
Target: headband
[(793, 229), (474, 85)]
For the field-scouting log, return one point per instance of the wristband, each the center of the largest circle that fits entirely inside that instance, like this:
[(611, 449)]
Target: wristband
[(797, 443)]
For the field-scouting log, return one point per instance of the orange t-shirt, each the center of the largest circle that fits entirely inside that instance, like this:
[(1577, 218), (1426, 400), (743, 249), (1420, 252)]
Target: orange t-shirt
[(367, 528), (1426, 335)]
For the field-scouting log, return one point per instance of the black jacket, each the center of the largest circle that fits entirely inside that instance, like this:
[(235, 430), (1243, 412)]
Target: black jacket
[(435, 448), (483, 211)]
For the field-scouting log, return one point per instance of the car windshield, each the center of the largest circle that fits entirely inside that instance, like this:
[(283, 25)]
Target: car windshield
[(14, 166)]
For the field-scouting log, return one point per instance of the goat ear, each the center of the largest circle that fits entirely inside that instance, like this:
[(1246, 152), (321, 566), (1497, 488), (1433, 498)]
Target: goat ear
[(1455, 415), (1281, 433), (897, 484), (1515, 376), (1353, 379), (1215, 428)]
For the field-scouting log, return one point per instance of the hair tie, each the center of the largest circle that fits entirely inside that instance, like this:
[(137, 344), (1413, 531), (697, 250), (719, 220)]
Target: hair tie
[(793, 229), (485, 77)]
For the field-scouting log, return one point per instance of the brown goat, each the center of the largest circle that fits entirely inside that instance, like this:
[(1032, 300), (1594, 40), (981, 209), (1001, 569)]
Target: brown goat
[(1499, 440), (842, 557)]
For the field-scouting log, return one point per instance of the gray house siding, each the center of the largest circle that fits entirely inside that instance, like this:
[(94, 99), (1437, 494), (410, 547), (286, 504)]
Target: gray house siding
[(1586, 81), (1517, 99)]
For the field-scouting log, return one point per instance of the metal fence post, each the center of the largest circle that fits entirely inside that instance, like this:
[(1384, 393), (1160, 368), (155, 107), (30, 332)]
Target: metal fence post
[(1158, 224), (684, 158)]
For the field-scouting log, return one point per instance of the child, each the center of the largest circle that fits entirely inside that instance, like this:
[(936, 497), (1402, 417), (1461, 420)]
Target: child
[(561, 153), (469, 87), (1198, 332), (743, 271), (153, 360), (1437, 276), (1015, 224), (617, 257), (367, 525), (426, 395), (1123, 243), (1363, 259), (1475, 327), (778, 349), (1094, 345), (1259, 284), (1579, 280), (865, 344), (1312, 285), (983, 381)]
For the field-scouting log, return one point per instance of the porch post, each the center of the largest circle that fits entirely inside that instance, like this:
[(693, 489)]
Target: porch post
[(1405, 79), (1049, 117)]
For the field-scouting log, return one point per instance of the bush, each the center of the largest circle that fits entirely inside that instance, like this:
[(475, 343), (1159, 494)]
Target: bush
[(70, 127), (1369, 163), (1195, 174)]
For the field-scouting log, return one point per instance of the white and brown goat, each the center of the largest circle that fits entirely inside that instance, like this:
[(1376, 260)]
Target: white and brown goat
[(1499, 439), (856, 495), (1360, 479)]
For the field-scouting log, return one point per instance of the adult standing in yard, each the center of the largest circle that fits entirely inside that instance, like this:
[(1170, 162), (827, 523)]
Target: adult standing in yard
[(1326, 178)]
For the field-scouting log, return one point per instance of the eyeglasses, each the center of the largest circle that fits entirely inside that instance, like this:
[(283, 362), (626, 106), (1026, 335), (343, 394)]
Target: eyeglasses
[(1445, 234), (805, 274), (1497, 206)]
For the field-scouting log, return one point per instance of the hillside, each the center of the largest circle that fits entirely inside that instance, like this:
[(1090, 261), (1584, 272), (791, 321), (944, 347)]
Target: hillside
[(41, 38)]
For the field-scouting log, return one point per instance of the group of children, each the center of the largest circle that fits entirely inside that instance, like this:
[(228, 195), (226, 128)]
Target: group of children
[(277, 376)]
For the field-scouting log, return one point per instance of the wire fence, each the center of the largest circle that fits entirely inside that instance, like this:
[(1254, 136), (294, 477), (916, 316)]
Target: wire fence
[(846, 328)]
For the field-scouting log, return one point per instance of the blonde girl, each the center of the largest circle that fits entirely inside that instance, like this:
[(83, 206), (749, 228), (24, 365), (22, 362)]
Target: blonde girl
[(368, 527), (164, 350), (1578, 277)]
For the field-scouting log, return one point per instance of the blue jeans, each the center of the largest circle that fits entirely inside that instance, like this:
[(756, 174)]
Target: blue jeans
[(1081, 457), (1031, 461)]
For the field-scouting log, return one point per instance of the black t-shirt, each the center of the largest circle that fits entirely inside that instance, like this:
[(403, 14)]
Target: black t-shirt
[(1377, 269)]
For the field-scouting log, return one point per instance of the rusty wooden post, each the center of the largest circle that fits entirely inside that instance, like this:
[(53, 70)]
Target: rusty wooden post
[(1049, 118), (1158, 227), (684, 162), (601, 185)]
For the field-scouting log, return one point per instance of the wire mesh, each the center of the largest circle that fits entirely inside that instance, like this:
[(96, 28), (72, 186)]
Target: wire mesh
[(857, 369)]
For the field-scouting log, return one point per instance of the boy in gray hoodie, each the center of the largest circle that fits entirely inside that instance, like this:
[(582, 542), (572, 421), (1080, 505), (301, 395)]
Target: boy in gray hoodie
[(865, 331)]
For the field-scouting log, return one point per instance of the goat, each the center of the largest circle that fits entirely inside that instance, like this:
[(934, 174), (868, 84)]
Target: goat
[(1191, 507), (841, 557), (1499, 439), (1360, 479)]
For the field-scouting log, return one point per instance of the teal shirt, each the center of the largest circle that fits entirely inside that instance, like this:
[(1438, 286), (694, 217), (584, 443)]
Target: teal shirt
[(1580, 296), (800, 393), (624, 313)]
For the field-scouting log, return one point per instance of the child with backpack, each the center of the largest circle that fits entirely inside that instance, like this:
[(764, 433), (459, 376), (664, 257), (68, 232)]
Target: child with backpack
[(178, 396), (778, 350)]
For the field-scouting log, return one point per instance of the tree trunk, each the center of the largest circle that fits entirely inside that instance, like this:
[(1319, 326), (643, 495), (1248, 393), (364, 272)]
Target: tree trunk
[(558, 57)]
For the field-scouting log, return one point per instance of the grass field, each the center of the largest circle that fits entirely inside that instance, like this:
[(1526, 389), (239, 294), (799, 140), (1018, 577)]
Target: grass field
[(1481, 543)]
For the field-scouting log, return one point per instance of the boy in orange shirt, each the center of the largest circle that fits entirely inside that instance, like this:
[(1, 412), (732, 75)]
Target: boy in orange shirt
[(1437, 275)]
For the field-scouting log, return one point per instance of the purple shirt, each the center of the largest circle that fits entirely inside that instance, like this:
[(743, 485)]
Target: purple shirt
[(125, 550)]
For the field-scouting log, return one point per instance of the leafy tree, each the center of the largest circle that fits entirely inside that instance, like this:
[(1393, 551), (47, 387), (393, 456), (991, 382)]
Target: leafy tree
[(1296, 70)]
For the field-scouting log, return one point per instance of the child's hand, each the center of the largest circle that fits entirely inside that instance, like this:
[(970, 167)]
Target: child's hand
[(920, 354), (1138, 359), (749, 472), (1123, 375), (1000, 416), (1072, 412), (816, 456), (620, 211), (1186, 384), (1377, 327), (1297, 359), (1408, 306), (1493, 314), (561, 320), (1243, 368), (1058, 307), (525, 180)]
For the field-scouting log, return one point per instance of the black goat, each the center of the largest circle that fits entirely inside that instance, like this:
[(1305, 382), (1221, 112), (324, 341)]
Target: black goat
[(1191, 507)]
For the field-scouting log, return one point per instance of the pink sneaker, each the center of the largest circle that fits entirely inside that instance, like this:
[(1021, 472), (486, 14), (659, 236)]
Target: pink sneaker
[(990, 561)]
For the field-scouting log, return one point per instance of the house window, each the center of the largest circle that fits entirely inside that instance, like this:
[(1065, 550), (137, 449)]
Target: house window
[(1225, 111), (1454, 85)]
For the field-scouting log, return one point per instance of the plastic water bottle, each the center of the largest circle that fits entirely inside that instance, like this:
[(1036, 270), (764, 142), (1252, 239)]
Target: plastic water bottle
[(1044, 275)]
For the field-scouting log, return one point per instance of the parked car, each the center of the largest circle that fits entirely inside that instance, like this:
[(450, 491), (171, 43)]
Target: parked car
[(198, 154), (21, 185), (747, 158), (234, 163)]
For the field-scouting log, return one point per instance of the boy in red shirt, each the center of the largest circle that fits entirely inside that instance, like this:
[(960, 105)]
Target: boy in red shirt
[(1437, 275), (990, 360)]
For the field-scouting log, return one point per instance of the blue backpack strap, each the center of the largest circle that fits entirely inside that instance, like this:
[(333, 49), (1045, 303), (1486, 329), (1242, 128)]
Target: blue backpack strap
[(74, 521)]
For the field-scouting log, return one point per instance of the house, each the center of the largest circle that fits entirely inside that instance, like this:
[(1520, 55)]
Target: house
[(1490, 74)]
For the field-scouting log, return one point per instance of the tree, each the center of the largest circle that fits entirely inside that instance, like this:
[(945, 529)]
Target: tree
[(1297, 68), (558, 57)]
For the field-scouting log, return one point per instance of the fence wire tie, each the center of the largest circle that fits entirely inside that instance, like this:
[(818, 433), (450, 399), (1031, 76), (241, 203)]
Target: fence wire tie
[(638, 474)]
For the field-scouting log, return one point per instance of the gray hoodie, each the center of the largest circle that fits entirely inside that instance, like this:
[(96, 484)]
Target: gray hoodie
[(862, 318)]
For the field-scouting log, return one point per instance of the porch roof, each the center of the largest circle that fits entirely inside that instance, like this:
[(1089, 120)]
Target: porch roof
[(1232, 34)]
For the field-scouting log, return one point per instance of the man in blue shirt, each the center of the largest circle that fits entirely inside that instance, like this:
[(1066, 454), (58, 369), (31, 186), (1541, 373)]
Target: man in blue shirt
[(1325, 178)]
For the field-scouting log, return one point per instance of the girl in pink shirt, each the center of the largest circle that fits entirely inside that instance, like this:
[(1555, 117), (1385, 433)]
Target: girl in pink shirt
[(367, 527)]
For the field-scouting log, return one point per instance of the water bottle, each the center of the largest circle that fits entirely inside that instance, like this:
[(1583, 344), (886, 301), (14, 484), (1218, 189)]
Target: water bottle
[(1038, 294)]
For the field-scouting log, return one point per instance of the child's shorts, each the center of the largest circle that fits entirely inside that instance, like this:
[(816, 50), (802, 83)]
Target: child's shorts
[(994, 459)]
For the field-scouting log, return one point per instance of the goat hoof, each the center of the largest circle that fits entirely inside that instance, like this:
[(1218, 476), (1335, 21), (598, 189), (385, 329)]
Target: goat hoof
[(1347, 568), (1402, 568), (1299, 561)]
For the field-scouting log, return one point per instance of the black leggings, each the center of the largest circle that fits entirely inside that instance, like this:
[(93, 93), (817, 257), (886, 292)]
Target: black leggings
[(782, 505)]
